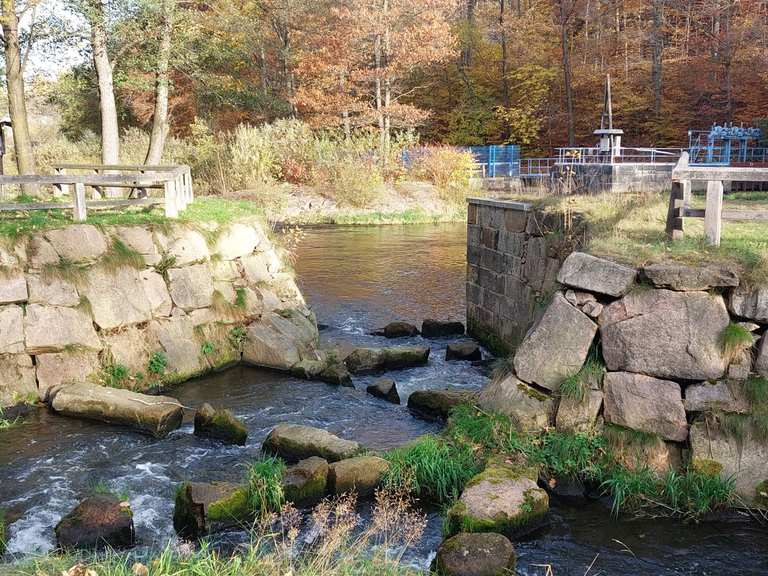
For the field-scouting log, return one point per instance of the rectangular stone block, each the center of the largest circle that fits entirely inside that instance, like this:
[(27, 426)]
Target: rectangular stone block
[(473, 235), (513, 266), (473, 293), (515, 220), (489, 238), (491, 217), (473, 254), (512, 243), (491, 259), (473, 275), (535, 266), (490, 280), (471, 213), (492, 301)]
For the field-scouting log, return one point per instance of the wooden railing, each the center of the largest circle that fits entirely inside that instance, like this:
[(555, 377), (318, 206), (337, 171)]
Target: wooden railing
[(108, 184), (684, 175)]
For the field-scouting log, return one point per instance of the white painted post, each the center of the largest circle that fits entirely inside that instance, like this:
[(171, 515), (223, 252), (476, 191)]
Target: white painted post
[(181, 194), (79, 214), (60, 189), (686, 186), (189, 185), (171, 203), (713, 216)]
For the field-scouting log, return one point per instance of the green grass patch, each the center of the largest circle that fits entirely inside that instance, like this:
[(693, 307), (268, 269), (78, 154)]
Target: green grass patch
[(64, 270), (735, 343), (116, 376), (575, 387), (3, 536), (265, 487), (757, 392), (120, 255)]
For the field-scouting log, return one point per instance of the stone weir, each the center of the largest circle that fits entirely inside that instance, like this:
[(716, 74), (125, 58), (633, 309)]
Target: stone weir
[(140, 307), (673, 359)]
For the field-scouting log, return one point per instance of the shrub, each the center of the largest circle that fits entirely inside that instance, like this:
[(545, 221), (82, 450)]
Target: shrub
[(265, 486), (158, 363), (116, 375), (448, 168)]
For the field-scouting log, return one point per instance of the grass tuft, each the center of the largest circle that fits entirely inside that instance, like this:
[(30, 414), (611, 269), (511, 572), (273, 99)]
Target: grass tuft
[(736, 343), (120, 255), (265, 486), (64, 270)]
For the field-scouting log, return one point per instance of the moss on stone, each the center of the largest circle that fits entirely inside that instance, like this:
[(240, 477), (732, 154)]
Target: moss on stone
[(233, 507), (532, 393), (706, 466), (761, 494)]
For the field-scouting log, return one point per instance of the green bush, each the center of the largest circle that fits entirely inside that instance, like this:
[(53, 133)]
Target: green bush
[(449, 169), (158, 363), (265, 486)]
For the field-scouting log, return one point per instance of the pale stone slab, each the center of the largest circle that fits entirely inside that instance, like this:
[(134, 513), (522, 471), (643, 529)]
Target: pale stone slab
[(13, 286), (684, 278), (528, 408), (191, 287), (40, 253), (587, 272), (78, 242), (17, 380), (723, 395), (117, 298), (54, 328), (51, 291), (574, 415), (157, 293), (12, 329), (140, 240), (750, 304), (63, 368), (180, 344), (189, 247), (237, 240)]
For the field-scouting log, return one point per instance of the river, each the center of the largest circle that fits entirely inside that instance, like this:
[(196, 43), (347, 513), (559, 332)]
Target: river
[(357, 280)]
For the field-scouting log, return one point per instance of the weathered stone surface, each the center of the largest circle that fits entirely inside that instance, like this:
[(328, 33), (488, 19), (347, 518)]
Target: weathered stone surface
[(468, 351), (724, 395), (78, 242), (17, 379), (101, 521), (761, 361), (304, 483), (280, 342), (574, 415), (361, 474), (441, 328), (188, 247), (191, 287), (61, 368), (131, 347), (644, 403), (528, 408), (502, 499), (638, 452), (400, 330), (437, 404), (293, 443), (592, 309), (180, 345), (13, 286), (676, 276), (237, 240), (556, 347), (156, 415), (53, 328), (51, 291), (384, 388), (40, 253), (219, 425), (751, 304), (205, 508), (12, 332), (225, 271), (139, 240), (157, 293), (370, 360), (586, 272), (469, 554), (117, 298), (260, 267), (666, 334), (743, 456)]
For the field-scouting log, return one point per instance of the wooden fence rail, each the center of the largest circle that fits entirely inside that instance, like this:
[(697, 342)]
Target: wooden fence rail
[(684, 175), (105, 180)]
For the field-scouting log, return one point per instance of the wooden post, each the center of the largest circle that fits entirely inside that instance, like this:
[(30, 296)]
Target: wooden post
[(171, 202), (686, 185), (674, 213), (80, 208), (60, 189), (713, 217)]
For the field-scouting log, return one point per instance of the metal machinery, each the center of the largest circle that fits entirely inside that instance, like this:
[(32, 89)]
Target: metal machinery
[(727, 145)]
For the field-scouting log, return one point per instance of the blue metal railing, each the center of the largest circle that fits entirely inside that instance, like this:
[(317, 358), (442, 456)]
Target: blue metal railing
[(496, 161)]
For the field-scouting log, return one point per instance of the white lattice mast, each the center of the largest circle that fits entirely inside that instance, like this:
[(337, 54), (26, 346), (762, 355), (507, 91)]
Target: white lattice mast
[(610, 137)]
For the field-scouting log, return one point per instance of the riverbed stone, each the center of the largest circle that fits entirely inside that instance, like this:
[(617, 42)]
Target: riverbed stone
[(140, 240), (437, 404), (761, 360), (504, 498), (191, 287), (386, 389), (219, 425), (579, 414), (12, 333), (117, 297), (556, 347), (645, 403), (400, 330), (586, 272), (468, 554), (64, 368), (528, 408), (467, 351), (189, 247), (203, 508), (431, 328), (54, 328), (157, 293), (236, 240), (666, 334), (17, 380), (724, 395), (371, 360), (101, 521), (51, 290), (681, 277), (180, 344), (155, 415), (329, 370), (13, 286), (293, 442), (280, 341), (361, 474), (305, 482), (750, 303), (78, 242)]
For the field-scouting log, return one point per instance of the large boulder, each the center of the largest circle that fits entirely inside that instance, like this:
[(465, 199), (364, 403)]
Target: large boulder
[(280, 341), (219, 425), (644, 403), (751, 304), (293, 443), (156, 415), (51, 290), (17, 379), (503, 499), (237, 240), (556, 347), (12, 333), (117, 297), (467, 554), (468, 351), (78, 242), (180, 345), (676, 276), (40, 253), (579, 414), (666, 334), (188, 247), (437, 404), (191, 287), (400, 330), (371, 360), (587, 272), (638, 451), (101, 521), (329, 370), (441, 328), (723, 395), (261, 267), (62, 368), (140, 240), (13, 286), (528, 408), (361, 474), (386, 389), (304, 483), (160, 302), (206, 508), (53, 328)]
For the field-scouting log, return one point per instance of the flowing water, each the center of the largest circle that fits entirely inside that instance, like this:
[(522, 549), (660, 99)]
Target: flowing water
[(357, 280)]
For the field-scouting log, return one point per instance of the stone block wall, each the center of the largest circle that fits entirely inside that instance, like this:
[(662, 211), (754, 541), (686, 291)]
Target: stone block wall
[(513, 255), (138, 307), (617, 178)]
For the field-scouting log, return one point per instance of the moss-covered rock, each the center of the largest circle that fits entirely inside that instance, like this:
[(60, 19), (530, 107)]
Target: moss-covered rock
[(97, 522), (372, 360), (761, 494), (485, 554), (220, 425), (361, 474), (329, 370), (204, 508), (437, 404), (293, 443), (304, 483), (503, 498), (386, 389)]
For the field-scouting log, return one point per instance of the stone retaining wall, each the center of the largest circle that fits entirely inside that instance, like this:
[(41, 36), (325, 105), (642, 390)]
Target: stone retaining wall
[(138, 307)]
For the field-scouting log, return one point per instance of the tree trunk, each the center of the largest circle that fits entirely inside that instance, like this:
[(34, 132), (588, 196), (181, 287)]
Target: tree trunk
[(657, 50), (387, 86), (564, 19), (17, 105), (503, 71), (466, 51), (160, 117), (110, 134)]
